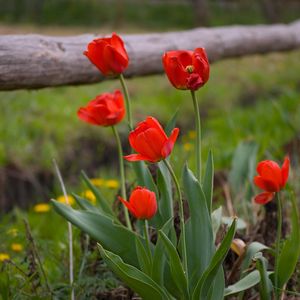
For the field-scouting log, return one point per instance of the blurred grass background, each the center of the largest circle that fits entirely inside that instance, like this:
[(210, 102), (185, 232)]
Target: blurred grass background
[(250, 98)]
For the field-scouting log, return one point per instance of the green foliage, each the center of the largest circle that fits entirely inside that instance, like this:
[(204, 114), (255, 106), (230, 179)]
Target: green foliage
[(250, 280), (134, 278), (102, 228), (199, 235), (290, 251), (266, 286), (204, 285), (176, 267)]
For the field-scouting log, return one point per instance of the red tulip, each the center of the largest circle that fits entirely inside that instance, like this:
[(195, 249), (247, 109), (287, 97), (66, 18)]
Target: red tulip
[(150, 141), (108, 55), (142, 203), (105, 110), (187, 70), (271, 178)]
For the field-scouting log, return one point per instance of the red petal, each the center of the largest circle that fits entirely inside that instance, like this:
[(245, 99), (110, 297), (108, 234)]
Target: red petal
[(95, 55), (84, 115), (175, 70), (137, 157), (267, 185), (168, 146), (152, 122), (264, 198), (118, 44), (285, 171)]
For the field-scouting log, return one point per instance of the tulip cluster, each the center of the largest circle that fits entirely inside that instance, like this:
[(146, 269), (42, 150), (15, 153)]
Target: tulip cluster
[(191, 267)]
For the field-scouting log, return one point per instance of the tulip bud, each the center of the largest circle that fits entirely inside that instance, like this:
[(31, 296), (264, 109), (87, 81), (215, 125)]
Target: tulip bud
[(142, 203)]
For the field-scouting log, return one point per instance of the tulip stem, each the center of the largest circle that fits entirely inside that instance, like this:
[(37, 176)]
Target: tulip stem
[(146, 235), (198, 136), (277, 245), (181, 216), (122, 175), (127, 101)]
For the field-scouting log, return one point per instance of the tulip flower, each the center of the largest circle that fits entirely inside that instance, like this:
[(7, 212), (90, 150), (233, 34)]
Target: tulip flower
[(271, 178), (105, 110), (142, 203), (108, 55), (187, 70), (151, 142)]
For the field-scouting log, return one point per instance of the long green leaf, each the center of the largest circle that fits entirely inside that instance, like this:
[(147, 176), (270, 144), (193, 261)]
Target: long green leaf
[(206, 280), (266, 286), (134, 278), (252, 249), (143, 257), (171, 123), (114, 237), (103, 203), (176, 267), (290, 252), (208, 182), (216, 220), (199, 234), (164, 185), (85, 204), (159, 257), (249, 281), (218, 285)]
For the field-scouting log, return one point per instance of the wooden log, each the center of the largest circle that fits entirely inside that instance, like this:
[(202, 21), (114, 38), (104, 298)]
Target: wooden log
[(36, 61)]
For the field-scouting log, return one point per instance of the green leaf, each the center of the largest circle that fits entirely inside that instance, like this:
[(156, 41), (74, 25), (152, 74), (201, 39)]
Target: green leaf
[(240, 224), (252, 249), (249, 281), (103, 203), (242, 165), (290, 252), (175, 264), (134, 278), (216, 220), (85, 204), (171, 124), (208, 182), (199, 235), (206, 280), (143, 257), (266, 286), (164, 185), (159, 258), (114, 237), (218, 286)]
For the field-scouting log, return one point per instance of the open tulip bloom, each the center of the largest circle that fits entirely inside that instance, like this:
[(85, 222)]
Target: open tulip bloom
[(105, 110), (271, 178), (183, 264), (151, 142)]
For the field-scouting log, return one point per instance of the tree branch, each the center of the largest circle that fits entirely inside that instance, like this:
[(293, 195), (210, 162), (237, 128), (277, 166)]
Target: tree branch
[(36, 61)]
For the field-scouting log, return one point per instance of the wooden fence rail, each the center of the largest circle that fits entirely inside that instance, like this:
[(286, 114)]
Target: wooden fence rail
[(36, 61)]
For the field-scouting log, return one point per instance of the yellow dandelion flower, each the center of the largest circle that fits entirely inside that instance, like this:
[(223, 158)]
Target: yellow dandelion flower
[(13, 232), (4, 257), (192, 134), (97, 181), (89, 195), (112, 184), (41, 208), (62, 199), (16, 247), (187, 147)]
